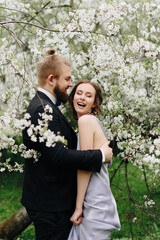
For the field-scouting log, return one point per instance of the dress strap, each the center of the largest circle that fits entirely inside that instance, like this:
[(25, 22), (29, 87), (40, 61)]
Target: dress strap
[(109, 164)]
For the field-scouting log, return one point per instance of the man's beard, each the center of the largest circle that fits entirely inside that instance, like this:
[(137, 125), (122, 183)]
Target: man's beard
[(60, 95)]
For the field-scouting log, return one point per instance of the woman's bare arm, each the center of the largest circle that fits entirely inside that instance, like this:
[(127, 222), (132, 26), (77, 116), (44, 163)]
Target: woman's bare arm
[(86, 134)]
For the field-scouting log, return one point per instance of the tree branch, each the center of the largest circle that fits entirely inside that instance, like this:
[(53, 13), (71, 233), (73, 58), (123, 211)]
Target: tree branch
[(122, 161), (115, 171), (48, 29), (145, 179), (26, 14), (14, 225), (129, 197)]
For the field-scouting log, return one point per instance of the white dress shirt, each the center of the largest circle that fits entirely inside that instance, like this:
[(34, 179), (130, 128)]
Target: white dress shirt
[(53, 98)]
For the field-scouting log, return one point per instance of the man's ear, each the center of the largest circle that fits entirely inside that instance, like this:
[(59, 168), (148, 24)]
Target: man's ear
[(51, 80)]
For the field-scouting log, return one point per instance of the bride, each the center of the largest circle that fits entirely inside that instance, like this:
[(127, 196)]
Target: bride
[(95, 215)]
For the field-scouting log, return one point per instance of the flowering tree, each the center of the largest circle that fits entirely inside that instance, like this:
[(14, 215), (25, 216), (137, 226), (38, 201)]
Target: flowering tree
[(114, 43)]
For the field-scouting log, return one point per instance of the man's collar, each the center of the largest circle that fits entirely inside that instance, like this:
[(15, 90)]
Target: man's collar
[(51, 97)]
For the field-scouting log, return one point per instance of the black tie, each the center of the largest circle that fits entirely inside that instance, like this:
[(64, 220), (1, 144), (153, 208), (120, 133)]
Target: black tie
[(58, 103)]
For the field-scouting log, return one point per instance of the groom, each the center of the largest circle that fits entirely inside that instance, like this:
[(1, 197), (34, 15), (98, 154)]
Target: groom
[(49, 189)]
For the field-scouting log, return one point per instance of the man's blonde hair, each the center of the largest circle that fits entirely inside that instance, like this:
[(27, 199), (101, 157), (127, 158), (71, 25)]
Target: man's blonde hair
[(51, 64)]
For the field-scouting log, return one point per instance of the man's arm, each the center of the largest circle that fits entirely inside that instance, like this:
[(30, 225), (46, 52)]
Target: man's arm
[(59, 155)]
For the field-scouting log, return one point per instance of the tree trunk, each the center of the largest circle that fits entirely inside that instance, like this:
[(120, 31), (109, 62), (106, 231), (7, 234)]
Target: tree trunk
[(14, 225)]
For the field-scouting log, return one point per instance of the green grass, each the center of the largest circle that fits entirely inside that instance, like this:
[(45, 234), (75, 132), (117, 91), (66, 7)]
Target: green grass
[(10, 195), (144, 225), (11, 189)]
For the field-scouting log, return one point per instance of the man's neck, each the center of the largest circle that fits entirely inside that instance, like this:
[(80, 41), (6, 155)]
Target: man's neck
[(48, 90), (48, 94)]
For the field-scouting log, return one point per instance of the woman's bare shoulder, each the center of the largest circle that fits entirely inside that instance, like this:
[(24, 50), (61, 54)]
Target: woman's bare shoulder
[(87, 119)]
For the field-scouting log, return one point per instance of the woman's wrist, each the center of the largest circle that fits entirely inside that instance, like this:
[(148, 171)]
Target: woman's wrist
[(78, 207)]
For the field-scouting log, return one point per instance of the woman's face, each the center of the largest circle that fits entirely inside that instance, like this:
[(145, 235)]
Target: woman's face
[(84, 99)]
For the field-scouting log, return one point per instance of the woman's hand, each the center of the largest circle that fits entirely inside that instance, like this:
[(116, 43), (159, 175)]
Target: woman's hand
[(77, 217)]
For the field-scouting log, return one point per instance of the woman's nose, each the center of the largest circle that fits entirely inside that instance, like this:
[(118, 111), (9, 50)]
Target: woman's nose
[(82, 96)]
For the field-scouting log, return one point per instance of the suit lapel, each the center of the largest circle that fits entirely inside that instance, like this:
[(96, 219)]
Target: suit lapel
[(41, 96), (44, 99), (61, 114)]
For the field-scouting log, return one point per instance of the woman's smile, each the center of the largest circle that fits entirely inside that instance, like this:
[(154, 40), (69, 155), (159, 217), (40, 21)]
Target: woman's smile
[(84, 98)]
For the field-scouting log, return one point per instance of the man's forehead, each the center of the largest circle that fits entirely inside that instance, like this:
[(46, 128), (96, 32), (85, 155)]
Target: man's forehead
[(66, 69)]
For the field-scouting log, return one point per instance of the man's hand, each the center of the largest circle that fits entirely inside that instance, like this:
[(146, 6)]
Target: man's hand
[(107, 151)]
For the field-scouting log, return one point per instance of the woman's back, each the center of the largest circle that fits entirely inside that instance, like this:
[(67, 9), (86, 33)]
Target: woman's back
[(93, 123)]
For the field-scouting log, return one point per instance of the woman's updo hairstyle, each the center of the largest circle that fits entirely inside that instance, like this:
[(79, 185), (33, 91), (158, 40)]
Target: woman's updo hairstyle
[(98, 97), (52, 64)]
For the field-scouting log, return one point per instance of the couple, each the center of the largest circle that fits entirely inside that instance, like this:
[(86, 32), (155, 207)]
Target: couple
[(53, 193)]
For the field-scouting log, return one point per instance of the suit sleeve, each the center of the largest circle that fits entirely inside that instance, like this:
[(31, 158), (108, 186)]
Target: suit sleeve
[(59, 156)]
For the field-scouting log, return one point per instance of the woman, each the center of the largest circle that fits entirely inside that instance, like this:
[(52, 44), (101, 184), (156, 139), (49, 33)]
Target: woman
[(94, 197)]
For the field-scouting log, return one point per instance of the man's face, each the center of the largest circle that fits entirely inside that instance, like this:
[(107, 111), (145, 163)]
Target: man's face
[(63, 83)]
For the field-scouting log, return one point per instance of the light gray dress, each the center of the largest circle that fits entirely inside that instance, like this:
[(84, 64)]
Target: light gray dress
[(100, 216)]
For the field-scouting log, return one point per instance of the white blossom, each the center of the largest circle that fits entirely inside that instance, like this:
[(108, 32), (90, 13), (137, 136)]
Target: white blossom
[(99, 38)]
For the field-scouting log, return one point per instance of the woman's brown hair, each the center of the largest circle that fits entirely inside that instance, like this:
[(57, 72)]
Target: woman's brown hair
[(98, 97), (52, 64)]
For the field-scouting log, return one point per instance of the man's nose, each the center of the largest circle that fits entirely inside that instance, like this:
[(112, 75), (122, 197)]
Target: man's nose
[(70, 84)]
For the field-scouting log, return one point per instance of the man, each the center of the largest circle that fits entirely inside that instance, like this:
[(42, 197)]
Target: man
[(49, 190)]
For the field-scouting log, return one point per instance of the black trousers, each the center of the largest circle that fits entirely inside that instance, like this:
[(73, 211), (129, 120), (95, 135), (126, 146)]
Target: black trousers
[(51, 225)]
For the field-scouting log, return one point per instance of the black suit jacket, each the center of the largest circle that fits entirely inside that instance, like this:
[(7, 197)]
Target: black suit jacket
[(50, 183)]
